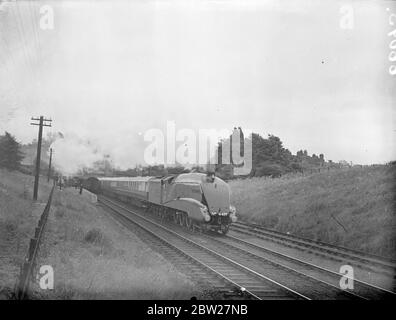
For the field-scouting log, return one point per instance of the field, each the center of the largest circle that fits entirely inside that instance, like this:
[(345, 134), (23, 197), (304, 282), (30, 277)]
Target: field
[(352, 207), (93, 256)]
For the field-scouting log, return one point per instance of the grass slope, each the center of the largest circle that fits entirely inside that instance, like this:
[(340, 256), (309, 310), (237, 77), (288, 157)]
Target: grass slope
[(93, 256), (349, 207), (18, 218)]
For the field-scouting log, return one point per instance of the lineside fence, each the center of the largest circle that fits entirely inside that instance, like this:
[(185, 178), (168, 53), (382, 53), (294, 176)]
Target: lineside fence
[(28, 266)]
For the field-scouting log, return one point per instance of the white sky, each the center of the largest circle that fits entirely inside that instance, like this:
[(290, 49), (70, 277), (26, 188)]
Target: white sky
[(111, 70)]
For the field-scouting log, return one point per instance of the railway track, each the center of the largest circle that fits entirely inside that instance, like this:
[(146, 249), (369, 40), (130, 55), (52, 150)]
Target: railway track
[(366, 261), (311, 271), (307, 278), (224, 273), (257, 263)]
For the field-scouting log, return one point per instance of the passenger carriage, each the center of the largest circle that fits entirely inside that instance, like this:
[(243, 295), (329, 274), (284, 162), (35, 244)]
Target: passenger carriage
[(194, 200)]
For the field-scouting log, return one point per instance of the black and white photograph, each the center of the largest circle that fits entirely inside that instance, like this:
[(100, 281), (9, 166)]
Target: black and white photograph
[(217, 152)]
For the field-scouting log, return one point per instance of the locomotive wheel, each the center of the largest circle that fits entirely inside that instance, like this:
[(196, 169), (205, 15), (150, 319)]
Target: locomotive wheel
[(185, 218), (189, 223), (181, 219), (224, 228)]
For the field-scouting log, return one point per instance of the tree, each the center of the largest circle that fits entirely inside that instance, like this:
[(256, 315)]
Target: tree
[(296, 166), (269, 169), (322, 159), (10, 154), (269, 157)]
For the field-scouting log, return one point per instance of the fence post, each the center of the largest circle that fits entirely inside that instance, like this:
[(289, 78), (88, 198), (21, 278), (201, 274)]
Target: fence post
[(22, 280), (32, 246), (37, 231), (29, 264)]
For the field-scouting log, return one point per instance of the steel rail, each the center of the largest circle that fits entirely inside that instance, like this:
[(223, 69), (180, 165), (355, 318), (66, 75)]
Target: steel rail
[(378, 290), (202, 248), (325, 249)]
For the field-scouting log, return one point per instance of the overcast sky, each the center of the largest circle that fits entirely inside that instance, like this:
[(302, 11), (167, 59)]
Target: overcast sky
[(108, 72)]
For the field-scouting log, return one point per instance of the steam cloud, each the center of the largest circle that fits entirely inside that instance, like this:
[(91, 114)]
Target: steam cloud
[(73, 154)]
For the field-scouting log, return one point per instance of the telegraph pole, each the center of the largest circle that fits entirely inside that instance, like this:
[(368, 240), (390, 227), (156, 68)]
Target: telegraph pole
[(42, 123), (49, 166)]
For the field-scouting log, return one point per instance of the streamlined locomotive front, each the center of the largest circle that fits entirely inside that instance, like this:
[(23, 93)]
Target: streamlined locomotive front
[(204, 198), (217, 196)]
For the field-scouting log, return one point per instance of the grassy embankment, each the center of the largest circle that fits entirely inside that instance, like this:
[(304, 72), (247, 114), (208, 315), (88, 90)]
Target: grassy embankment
[(18, 218), (96, 257), (350, 207), (92, 255)]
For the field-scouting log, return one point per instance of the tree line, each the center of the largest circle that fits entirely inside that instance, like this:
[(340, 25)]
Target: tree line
[(269, 158), (11, 155), (22, 157)]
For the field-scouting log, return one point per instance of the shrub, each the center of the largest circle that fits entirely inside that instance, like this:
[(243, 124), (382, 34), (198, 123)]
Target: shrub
[(94, 236), (269, 169)]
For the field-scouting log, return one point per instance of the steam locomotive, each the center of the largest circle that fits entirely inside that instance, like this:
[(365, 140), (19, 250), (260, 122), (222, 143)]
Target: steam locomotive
[(193, 200)]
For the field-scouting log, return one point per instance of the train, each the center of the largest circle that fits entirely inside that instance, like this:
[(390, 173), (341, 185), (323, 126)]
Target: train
[(193, 200)]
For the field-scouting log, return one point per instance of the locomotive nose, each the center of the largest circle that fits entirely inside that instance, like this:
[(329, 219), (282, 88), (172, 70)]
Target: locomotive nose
[(217, 195)]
